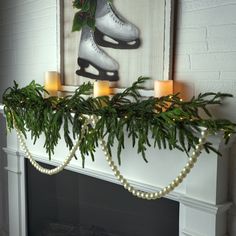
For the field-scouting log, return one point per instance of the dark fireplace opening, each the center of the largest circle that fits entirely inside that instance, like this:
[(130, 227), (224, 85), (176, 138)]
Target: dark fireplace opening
[(71, 204)]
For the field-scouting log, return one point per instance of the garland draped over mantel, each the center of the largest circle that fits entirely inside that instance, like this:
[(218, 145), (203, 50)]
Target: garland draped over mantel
[(132, 189), (87, 122), (168, 121)]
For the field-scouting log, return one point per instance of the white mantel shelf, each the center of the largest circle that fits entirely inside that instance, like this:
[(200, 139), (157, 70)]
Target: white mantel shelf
[(202, 196)]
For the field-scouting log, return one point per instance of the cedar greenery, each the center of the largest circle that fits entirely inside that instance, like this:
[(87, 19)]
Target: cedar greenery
[(168, 121)]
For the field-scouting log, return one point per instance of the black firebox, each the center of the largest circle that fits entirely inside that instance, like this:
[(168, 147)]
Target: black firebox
[(71, 204)]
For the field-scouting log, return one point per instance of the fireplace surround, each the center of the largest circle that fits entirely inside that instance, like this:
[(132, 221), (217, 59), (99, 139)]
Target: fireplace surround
[(202, 196)]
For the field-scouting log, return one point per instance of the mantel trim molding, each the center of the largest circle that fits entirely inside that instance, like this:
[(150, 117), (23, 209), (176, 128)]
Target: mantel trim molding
[(175, 196)]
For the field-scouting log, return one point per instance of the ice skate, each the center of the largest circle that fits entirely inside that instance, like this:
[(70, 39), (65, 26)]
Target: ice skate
[(109, 23), (91, 55)]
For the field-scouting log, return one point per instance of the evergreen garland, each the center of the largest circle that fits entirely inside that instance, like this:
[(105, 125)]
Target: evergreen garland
[(168, 121)]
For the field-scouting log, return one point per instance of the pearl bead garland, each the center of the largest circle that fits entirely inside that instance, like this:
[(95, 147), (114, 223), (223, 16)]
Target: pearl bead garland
[(164, 191), (136, 192), (55, 170)]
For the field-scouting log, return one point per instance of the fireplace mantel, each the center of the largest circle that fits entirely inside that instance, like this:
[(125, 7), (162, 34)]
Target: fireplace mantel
[(202, 196)]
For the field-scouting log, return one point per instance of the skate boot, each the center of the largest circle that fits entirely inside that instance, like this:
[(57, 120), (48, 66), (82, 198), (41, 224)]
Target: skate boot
[(91, 55), (109, 23)]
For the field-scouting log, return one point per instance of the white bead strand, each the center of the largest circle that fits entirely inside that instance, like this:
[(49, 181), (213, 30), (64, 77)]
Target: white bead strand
[(37, 166), (164, 191), (92, 120)]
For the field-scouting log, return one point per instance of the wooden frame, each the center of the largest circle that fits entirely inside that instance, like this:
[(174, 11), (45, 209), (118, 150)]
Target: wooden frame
[(165, 56)]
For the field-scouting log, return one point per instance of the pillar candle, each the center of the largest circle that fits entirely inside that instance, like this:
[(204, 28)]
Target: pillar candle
[(101, 88), (163, 88), (52, 82)]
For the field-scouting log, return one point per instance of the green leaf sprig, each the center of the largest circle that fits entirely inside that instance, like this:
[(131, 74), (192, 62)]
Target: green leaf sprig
[(86, 14)]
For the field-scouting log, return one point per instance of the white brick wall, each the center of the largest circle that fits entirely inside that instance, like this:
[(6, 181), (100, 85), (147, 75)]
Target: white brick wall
[(205, 59), (27, 49), (205, 44), (28, 40), (205, 56)]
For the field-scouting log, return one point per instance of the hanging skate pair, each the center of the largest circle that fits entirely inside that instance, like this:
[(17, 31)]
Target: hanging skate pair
[(110, 24)]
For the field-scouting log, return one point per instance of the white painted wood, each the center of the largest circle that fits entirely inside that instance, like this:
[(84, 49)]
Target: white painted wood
[(60, 34), (194, 209), (205, 4), (169, 40), (16, 195), (198, 202), (70, 45), (153, 58), (204, 224), (176, 196), (202, 208)]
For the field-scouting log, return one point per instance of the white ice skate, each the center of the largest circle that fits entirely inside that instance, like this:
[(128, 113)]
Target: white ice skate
[(91, 55), (110, 23)]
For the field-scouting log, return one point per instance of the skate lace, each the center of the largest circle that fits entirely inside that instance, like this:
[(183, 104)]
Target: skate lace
[(114, 15), (95, 47)]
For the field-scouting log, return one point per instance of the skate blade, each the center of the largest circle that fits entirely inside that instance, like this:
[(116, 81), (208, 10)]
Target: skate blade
[(102, 75), (118, 44)]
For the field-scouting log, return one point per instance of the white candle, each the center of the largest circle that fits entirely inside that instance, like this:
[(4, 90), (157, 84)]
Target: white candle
[(101, 88), (52, 82), (163, 88)]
